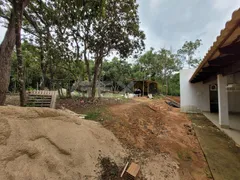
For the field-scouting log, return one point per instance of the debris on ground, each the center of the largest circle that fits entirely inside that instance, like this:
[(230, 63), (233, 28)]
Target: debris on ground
[(133, 170), (124, 169), (150, 96), (173, 104), (190, 129)]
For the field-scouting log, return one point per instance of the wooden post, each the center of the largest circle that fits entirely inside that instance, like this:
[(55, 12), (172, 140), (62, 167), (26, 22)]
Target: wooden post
[(143, 88), (148, 87)]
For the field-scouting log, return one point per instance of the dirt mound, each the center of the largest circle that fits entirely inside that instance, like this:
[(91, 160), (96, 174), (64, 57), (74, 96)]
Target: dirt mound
[(39, 143), (160, 134)]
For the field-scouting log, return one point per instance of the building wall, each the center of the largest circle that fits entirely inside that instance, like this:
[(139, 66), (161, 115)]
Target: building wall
[(195, 97), (234, 97)]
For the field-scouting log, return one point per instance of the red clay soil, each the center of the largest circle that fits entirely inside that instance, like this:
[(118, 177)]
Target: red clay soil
[(147, 126)]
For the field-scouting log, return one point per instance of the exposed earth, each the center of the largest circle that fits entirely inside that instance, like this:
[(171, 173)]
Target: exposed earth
[(41, 143), (44, 143), (158, 136)]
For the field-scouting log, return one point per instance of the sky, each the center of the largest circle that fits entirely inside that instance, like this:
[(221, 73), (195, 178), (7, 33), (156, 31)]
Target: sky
[(169, 23)]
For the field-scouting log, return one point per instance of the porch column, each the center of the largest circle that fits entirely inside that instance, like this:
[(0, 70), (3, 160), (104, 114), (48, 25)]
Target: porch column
[(223, 101)]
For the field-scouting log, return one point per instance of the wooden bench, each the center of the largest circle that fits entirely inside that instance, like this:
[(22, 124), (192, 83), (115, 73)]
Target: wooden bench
[(41, 98)]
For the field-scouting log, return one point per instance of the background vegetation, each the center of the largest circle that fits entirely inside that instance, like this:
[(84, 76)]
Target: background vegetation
[(59, 42)]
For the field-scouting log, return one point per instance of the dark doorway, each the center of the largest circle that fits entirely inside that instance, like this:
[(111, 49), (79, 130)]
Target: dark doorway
[(213, 98)]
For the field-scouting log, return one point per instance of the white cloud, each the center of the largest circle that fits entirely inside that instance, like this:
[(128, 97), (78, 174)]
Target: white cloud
[(155, 4), (171, 23), (226, 4)]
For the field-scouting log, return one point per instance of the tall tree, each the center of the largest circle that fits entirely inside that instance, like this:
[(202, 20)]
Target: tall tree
[(117, 70), (188, 52), (170, 63), (148, 65), (7, 45), (116, 30), (18, 11)]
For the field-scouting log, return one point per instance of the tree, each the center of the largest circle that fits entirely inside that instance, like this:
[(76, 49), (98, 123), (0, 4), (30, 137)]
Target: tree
[(18, 11), (174, 85), (7, 45), (31, 67), (148, 64), (187, 53), (6, 48), (117, 70), (117, 30)]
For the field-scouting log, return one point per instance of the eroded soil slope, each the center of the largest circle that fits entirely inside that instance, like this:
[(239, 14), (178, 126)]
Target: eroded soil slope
[(160, 137)]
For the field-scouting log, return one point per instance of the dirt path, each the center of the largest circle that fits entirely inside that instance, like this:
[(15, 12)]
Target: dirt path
[(222, 153), (160, 138)]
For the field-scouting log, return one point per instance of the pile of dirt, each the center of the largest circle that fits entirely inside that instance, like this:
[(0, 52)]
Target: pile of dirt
[(41, 143), (160, 137)]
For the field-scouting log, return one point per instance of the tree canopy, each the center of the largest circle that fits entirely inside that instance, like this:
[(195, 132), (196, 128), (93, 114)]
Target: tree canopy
[(68, 41)]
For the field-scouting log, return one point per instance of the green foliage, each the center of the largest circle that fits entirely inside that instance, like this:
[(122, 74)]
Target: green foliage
[(116, 70), (174, 85), (159, 66), (188, 51), (68, 40), (93, 115), (31, 66)]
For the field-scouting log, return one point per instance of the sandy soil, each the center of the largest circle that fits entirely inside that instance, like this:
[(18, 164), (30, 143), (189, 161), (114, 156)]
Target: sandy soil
[(39, 143), (160, 138)]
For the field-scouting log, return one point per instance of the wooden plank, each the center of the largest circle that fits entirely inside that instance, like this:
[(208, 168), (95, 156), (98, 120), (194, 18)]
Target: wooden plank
[(133, 169), (53, 101), (39, 95), (124, 169), (41, 98)]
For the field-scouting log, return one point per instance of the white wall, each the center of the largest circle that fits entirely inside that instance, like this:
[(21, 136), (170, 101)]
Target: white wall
[(234, 97), (194, 97)]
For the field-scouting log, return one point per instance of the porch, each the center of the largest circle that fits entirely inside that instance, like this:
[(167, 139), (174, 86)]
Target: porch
[(234, 124)]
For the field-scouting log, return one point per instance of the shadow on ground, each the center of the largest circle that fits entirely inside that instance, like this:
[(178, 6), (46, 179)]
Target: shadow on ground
[(221, 152)]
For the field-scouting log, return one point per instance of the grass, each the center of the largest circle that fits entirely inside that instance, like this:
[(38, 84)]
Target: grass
[(184, 155), (93, 115), (99, 114)]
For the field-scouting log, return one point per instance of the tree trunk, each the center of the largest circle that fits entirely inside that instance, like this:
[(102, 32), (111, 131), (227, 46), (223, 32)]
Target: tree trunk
[(68, 90), (6, 49), (43, 64), (18, 11), (49, 59), (87, 63), (99, 79), (95, 77)]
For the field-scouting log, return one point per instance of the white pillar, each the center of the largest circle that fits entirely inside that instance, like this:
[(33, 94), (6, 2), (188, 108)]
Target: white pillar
[(223, 101)]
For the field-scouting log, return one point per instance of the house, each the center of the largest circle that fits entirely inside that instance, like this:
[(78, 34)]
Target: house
[(214, 86)]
